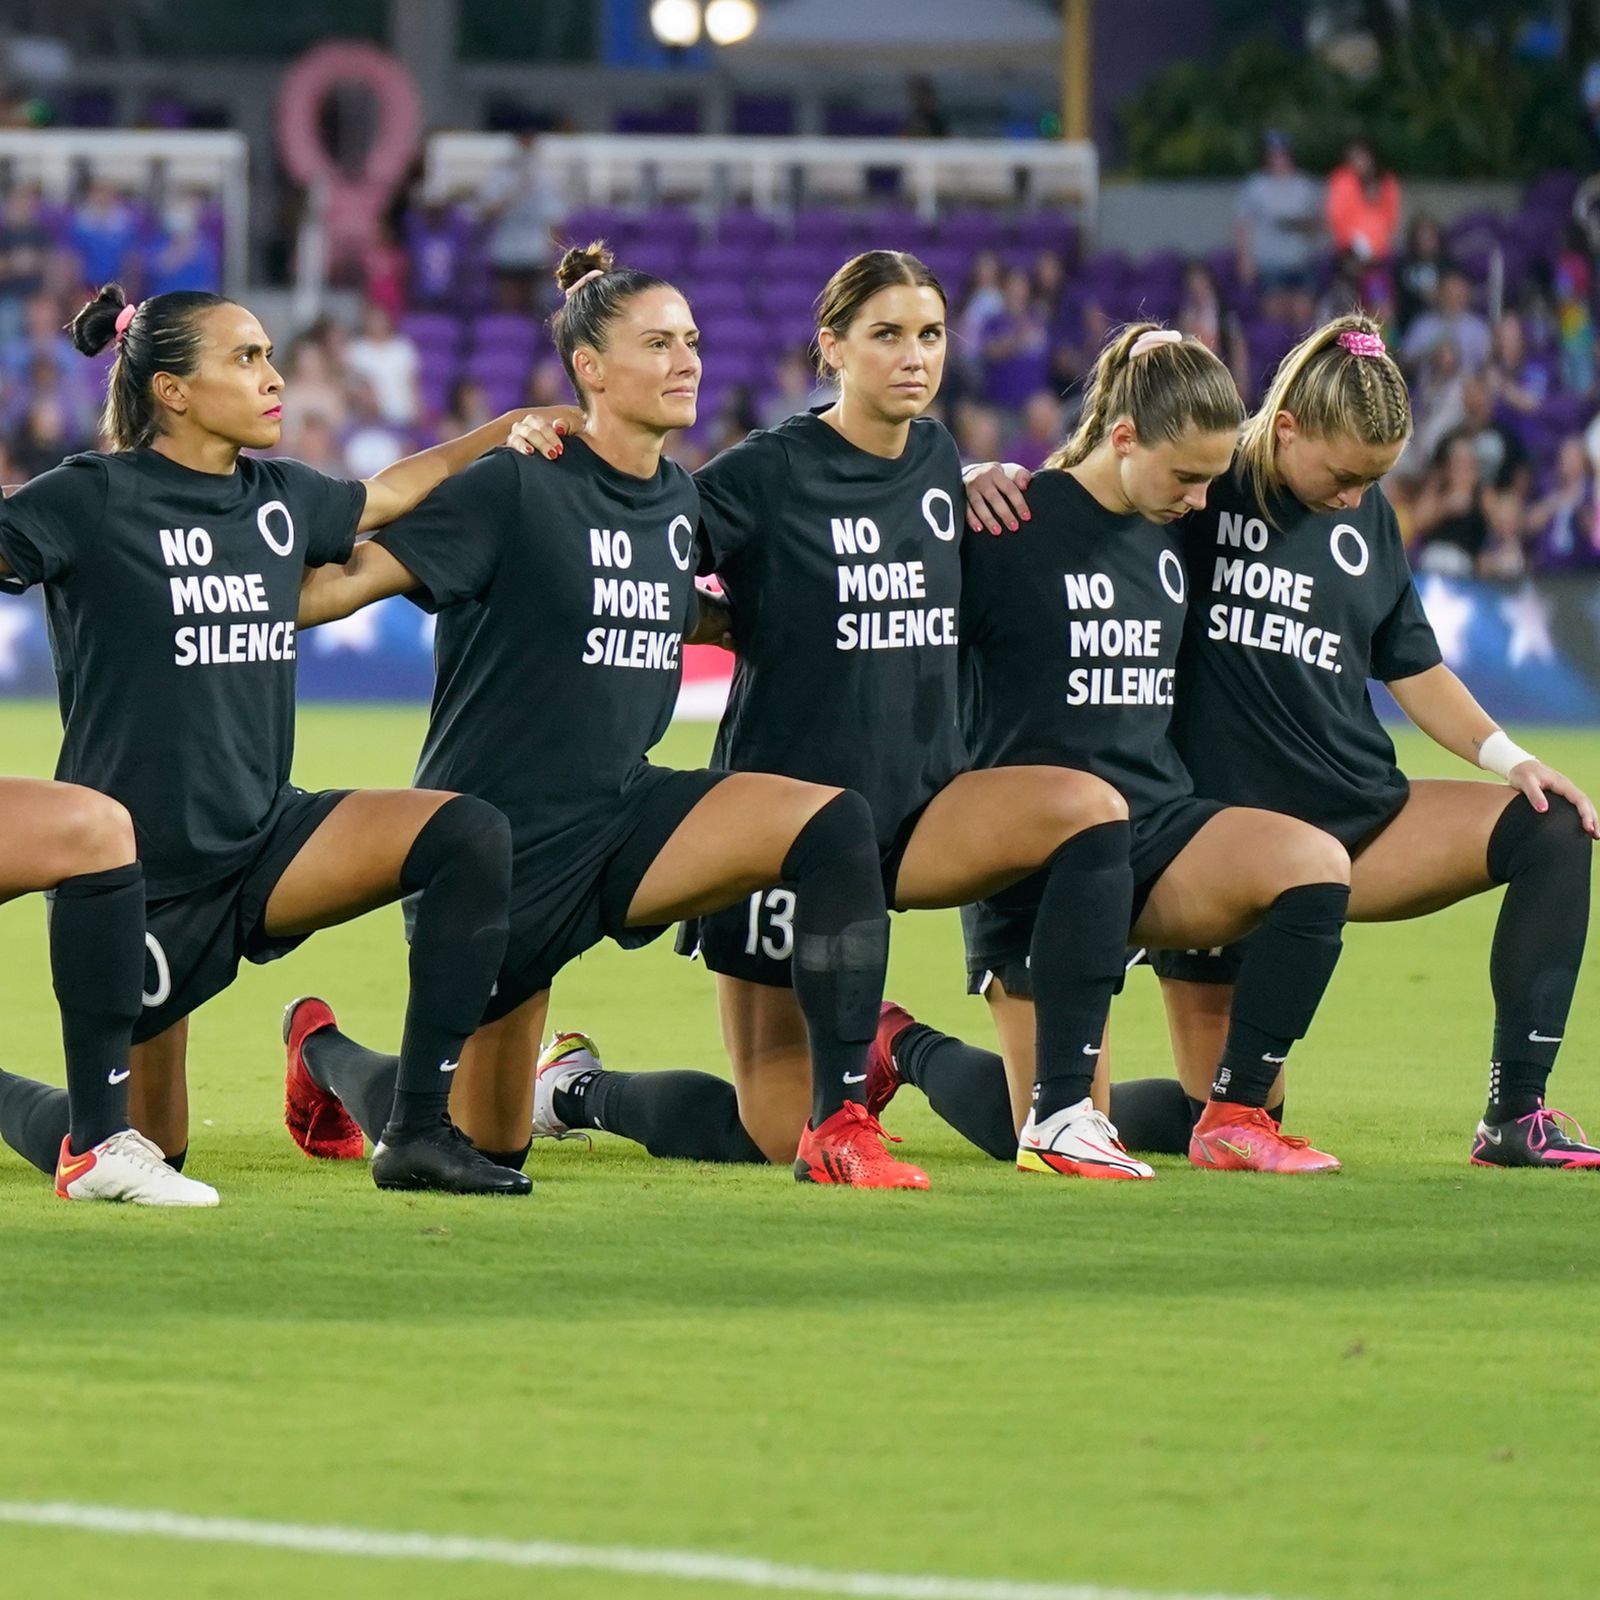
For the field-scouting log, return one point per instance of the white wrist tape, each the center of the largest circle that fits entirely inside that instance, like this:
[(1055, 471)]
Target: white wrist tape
[(1499, 755), (1010, 468)]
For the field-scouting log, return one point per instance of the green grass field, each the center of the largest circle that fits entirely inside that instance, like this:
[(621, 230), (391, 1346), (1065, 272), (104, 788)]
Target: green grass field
[(1376, 1384)]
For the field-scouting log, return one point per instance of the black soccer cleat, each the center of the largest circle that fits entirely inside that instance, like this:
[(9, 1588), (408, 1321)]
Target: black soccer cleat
[(444, 1159), (1543, 1138)]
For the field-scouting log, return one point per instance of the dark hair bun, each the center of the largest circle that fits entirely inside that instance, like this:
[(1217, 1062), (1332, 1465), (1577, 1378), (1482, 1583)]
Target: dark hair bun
[(96, 325), (578, 263)]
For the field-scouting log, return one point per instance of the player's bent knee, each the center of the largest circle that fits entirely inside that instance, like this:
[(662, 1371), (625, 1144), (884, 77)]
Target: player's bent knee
[(463, 831), (1072, 806), (1318, 857), (91, 832), (1524, 839)]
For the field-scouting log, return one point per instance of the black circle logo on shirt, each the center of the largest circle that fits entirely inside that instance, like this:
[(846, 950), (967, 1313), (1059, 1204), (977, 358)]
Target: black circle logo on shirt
[(1170, 569), (932, 499), (286, 548), (686, 560), (1336, 542)]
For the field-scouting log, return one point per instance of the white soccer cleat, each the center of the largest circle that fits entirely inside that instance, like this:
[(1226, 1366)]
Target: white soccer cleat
[(566, 1057), (1078, 1142), (127, 1167)]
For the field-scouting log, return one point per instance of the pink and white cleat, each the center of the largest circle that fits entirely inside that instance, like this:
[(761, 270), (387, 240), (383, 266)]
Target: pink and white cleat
[(1543, 1138)]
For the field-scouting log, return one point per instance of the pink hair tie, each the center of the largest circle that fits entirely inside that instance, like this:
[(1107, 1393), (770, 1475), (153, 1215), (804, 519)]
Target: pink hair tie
[(588, 277), (1362, 344), (1146, 342), (124, 317)]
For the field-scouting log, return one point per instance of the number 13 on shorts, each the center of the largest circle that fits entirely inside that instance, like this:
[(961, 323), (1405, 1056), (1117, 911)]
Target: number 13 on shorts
[(771, 927)]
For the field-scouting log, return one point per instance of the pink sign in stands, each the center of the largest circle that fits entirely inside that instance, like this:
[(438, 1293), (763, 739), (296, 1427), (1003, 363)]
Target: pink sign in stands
[(353, 201)]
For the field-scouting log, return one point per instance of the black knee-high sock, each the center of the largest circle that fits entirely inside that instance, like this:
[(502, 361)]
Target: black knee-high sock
[(965, 1085), (34, 1118), (1153, 1116), (460, 869), (1287, 965), (841, 946), (363, 1079), (1076, 960), (97, 965), (1544, 861), (690, 1115)]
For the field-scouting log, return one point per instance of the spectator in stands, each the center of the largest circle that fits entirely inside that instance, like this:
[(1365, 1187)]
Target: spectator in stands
[(1075, 355), (311, 377), (308, 437), (1454, 322), (1502, 465), (468, 408), (1450, 528), (45, 437), (1202, 316), (186, 256), (926, 118), (1277, 228), (522, 204), (983, 301), (437, 237), (42, 339), (44, 382), (1016, 345), (383, 271), (795, 389), (1519, 381), (24, 251), (103, 232), (1572, 281), (977, 431), (1562, 527), (387, 360), (1049, 284), (1363, 205), (373, 441), (1043, 429), (1418, 271)]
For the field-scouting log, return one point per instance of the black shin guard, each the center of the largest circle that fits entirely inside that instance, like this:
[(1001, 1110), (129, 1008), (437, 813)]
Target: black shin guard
[(692, 1116), (363, 1079), (1544, 861), (841, 946), (34, 1119), (1287, 965), (1076, 960), (460, 869), (965, 1085), (97, 966)]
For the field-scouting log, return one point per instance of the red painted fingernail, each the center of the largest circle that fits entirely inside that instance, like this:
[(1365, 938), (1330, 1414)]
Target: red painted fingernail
[(1012, 526), (1027, 516)]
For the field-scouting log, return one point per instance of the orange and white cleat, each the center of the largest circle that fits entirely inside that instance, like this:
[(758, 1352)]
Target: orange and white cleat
[(1230, 1138), (316, 1119), (129, 1168), (1077, 1142), (849, 1148)]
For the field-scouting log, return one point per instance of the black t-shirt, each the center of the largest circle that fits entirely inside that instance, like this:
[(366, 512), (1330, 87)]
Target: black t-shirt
[(563, 592), (1071, 630), (171, 596), (1290, 617), (843, 575)]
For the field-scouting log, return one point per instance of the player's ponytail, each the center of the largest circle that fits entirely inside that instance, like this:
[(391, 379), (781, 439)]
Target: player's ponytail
[(596, 291), (161, 334), (1338, 382), (1164, 383)]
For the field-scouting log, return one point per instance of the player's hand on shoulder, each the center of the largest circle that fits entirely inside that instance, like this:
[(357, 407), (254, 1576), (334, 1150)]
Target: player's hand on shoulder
[(1536, 780), (713, 620), (995, 495), (543, 431)]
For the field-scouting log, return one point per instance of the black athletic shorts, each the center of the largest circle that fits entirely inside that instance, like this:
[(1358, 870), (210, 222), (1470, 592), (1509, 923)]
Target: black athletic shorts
[(1221, 964), (754, 939), (195, 941), (568, 894), (999, 931)]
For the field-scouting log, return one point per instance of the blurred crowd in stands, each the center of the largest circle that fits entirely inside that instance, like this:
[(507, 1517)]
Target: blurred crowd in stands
[(1493, 319)]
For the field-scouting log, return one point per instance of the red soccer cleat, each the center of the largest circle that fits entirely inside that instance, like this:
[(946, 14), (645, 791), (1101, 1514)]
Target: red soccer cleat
[(848, 1149), (883, 1077), (316, 1121), (1230, 1138)]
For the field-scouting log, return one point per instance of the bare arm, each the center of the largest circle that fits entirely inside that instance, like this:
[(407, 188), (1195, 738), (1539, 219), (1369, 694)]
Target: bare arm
[(400, 488), (1441, 705), (371, 574)]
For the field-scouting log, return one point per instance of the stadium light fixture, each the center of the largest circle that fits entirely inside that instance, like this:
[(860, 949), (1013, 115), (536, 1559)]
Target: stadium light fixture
[(675, 23), (731, 21)]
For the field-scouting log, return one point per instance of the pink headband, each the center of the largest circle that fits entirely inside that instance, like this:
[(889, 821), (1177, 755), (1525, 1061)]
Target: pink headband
[(1146, 342), (1362, 344), (588, 277), (124, 317)]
